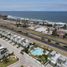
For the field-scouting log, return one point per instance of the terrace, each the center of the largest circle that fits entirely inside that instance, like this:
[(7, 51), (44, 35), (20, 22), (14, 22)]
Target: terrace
[(38, 53), (14, 38)]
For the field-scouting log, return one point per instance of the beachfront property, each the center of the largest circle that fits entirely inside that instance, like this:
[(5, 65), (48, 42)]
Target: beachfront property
[(42, 26), (42, 55), (57, 60), (62, 33), (15, 38), (47, 58), (38, 53), (3, 52)]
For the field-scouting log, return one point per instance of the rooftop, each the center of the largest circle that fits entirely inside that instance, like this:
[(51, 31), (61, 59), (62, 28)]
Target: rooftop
[(1, 47)]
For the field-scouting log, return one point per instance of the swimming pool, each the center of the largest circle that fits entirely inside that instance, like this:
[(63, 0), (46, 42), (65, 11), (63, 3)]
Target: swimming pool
[(37, 51)]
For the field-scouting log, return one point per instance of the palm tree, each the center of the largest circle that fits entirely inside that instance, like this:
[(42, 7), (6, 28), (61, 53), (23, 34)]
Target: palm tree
[(54, 32), (25, 50), (18, 23), (25, 23), (65, 26), (48, 30), (46, 57)]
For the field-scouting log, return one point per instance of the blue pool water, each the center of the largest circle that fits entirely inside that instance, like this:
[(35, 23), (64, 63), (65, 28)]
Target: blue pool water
[(37, 51)]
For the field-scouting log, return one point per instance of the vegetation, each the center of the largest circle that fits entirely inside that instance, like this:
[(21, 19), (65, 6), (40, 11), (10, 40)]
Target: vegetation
[(42, 58), (22, 66), (54, 33), (7, 61), (65, 26), (26, 49)]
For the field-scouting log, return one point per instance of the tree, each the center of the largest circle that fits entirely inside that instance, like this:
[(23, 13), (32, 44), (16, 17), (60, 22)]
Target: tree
[(57, 43), (49, 40), (5, 59), (48, 30), (18, 23), (55, 25), (65, 26), (25, 23), (54, 32), (42, 38), (46, 57), (22, 66), (25, 50)]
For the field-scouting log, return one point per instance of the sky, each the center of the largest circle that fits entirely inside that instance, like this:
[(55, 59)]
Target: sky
[(33, 5)]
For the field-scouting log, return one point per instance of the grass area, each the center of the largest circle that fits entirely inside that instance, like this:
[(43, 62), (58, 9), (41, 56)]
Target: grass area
[(11, 60)]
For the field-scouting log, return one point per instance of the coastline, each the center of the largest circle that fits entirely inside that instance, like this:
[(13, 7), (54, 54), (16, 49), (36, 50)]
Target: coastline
[(31, 19), (53, 16)]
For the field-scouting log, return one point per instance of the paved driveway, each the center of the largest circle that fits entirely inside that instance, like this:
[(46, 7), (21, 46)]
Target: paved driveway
[(25, 59)]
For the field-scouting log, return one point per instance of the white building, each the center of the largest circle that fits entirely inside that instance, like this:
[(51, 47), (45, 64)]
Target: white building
[(58, 60), (13, 37), (3, 52), (44, 30), (23, 42), (17, 39)]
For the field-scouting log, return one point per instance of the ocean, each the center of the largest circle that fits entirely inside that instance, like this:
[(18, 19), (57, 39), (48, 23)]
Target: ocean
[(53, 16)]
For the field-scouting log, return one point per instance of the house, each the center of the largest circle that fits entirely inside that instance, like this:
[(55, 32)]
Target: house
[(24, 42), (57, 60), (9, 35), (0, 33), (4, 17), (13, 37), (54, 59), (3, 52), (61, 32), (17, 39)]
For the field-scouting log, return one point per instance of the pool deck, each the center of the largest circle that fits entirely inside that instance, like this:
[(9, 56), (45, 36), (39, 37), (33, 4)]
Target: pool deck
[(25, 59)]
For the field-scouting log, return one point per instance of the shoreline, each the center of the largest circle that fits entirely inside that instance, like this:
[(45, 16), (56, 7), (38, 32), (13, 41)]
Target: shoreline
[(33, 19)]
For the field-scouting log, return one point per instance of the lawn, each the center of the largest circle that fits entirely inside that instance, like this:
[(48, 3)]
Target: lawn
[(11, 60)]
